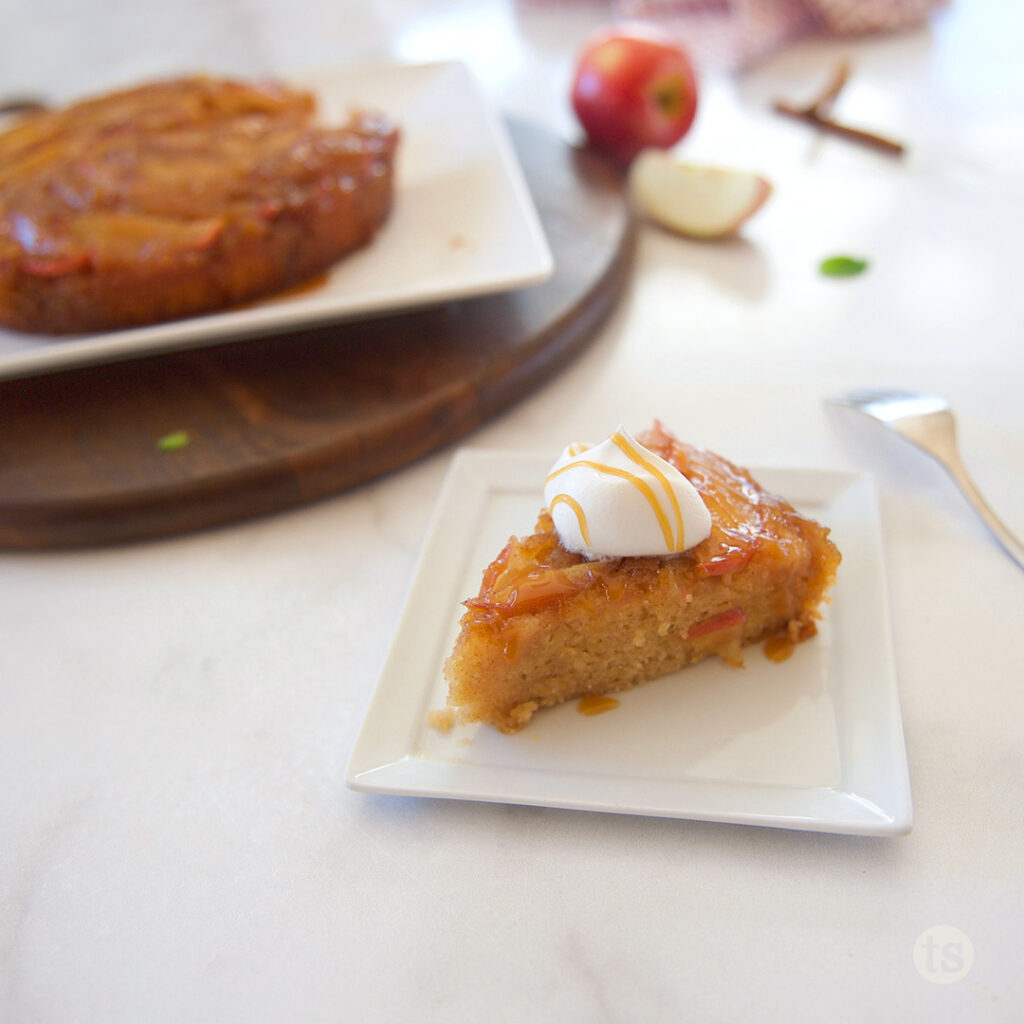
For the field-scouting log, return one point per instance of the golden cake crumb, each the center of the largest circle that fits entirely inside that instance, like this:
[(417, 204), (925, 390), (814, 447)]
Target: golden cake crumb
[(442, 719)]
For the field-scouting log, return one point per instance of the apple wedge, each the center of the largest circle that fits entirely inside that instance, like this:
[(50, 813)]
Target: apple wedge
[(693, 200)]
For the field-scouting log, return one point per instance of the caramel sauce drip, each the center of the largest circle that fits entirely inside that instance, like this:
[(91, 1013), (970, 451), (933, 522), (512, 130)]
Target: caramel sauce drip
[(292, 291), (596, 704), (311, 284), (778, 648)]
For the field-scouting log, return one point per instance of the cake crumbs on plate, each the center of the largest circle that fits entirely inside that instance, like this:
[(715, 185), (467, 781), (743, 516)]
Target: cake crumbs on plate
[(442, 719)]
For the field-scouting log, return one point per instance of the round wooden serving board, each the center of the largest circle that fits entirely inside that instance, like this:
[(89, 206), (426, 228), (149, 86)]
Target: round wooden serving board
[(277, 421)]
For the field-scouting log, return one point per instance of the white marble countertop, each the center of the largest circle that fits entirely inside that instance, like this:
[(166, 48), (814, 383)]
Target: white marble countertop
[(176, 839)]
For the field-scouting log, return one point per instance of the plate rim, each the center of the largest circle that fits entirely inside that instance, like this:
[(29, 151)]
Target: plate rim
[(383, 759)]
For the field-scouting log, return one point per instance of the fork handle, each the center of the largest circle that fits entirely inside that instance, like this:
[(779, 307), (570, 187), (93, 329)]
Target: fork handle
[(956, 470)]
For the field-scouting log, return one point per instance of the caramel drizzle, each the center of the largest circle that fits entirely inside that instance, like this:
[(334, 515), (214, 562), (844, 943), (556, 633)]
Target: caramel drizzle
[(645, 489), (646, 462), (581, 516)]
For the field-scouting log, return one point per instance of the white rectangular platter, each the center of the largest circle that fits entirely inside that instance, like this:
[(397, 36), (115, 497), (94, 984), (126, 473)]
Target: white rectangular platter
[(815, 742)]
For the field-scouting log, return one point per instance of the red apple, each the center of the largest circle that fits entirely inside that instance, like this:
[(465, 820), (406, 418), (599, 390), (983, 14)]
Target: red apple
[(634, 88)]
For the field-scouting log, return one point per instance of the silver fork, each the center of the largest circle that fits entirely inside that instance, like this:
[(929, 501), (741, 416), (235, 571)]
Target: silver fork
[(927, 422)]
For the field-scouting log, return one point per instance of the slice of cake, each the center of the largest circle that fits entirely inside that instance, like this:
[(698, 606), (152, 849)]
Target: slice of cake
[(568, 612)]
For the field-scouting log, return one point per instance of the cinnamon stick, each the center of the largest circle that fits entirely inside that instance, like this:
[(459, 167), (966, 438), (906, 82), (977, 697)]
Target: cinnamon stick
[(817, 115)]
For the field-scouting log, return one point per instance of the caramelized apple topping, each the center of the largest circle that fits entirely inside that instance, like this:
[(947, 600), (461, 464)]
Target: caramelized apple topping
[(736, 506), (516, 593), (164, 162), (536, 571)]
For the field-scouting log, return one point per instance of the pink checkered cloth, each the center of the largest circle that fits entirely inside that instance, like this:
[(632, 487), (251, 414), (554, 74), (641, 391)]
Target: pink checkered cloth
[(737, 33)]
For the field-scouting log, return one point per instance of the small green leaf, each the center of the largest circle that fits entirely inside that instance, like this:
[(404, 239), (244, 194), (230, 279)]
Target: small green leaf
[(843, 266), (174, 441)]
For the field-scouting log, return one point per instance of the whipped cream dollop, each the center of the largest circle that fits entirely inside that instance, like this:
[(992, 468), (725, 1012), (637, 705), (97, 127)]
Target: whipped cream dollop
[(617, 499)]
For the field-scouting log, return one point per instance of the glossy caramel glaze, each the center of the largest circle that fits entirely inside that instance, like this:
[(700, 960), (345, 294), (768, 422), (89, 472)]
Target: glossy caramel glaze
[(778, 648), (596, 704)]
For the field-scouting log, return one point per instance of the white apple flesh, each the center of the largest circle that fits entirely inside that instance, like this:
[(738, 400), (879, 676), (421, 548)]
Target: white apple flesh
[(693, 200)]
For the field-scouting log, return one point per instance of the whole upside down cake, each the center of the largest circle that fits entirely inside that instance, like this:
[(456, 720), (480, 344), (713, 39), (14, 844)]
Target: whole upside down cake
[(551, 624), (177, 198)]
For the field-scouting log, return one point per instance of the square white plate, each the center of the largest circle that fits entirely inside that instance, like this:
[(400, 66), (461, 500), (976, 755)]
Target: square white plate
[(463, 224), (814, 743)]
